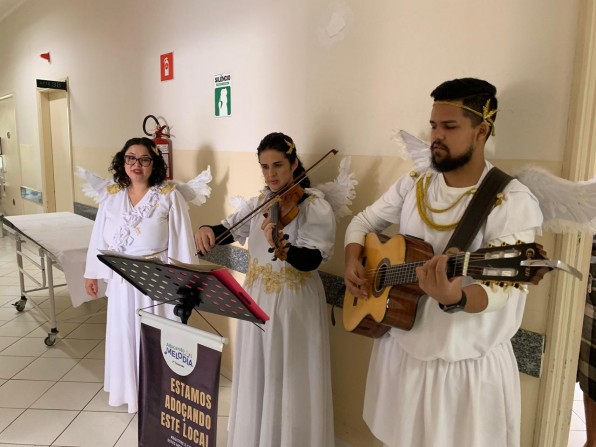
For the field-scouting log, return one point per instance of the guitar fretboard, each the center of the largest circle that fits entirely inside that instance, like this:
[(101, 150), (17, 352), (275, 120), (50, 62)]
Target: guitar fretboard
[(399, 274)]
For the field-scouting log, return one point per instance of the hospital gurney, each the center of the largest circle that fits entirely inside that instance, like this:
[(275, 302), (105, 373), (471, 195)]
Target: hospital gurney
[(59, 240)]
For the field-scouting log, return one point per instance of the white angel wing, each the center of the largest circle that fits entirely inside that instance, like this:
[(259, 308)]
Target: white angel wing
[(94, 186), (565, 205), (197, 189), (410, 147), (341, 191)]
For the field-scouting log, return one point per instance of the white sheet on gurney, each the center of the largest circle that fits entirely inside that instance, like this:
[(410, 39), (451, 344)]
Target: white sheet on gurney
[(66, 236)]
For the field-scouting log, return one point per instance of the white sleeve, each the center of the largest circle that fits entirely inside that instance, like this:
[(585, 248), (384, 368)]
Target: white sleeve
[(242, 231), (508, 224), (382, 213), (316, 228), (181, 245)]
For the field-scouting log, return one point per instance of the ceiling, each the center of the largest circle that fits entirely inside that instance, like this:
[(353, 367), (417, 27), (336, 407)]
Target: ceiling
[(8, 6)]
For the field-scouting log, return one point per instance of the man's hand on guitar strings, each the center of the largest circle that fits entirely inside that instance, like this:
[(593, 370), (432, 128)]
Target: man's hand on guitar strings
[(433, 280), (355, 279)]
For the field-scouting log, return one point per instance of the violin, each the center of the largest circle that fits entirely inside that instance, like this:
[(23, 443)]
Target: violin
[(283, 211), (287, 190)]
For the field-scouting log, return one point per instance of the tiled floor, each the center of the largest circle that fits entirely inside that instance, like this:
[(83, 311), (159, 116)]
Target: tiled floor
[(53, 396), (577, 429)]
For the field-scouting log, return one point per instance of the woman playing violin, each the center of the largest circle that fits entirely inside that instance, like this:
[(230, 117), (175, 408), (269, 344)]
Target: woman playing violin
[(281, 387)]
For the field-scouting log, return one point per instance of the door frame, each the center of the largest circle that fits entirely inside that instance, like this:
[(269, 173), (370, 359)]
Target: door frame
[(45, 144), (566, 306)]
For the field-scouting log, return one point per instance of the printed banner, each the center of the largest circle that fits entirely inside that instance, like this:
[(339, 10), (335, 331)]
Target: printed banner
[(178, 384)]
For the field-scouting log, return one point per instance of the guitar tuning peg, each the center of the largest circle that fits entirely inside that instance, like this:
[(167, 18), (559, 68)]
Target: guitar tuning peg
[(503, 244), (490, 245), (519, 242), (501, 284), (516, 285)]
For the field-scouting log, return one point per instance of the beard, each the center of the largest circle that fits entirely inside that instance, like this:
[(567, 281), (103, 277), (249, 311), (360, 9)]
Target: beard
[(450, 163)]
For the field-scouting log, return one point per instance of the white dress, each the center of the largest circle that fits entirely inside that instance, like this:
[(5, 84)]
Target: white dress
[(159, 225), (453, 379), (281, 387)]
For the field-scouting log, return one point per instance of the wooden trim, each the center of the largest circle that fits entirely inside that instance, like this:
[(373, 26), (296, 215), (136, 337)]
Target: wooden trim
[(566, 303)]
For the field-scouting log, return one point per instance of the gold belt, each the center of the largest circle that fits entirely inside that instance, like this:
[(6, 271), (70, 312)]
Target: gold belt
[(272, 280)]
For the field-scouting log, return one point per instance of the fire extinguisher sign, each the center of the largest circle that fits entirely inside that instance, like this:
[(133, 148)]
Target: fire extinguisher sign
[(223, 94), (166, 63)]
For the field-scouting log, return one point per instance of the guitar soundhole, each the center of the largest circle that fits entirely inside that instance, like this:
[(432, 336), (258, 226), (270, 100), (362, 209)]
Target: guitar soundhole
[(380, 276)]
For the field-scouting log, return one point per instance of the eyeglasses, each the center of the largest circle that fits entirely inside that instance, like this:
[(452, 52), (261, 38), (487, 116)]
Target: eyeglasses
[(143, 161)]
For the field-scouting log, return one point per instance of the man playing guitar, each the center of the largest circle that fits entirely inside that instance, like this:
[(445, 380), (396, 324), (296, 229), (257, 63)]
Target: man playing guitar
[(452, 380)]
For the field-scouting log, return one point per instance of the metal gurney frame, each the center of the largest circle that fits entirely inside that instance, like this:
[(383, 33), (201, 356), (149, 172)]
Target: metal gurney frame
[(76, 231)]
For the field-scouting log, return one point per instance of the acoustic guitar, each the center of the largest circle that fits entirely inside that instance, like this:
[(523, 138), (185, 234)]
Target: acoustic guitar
[(393, 295)]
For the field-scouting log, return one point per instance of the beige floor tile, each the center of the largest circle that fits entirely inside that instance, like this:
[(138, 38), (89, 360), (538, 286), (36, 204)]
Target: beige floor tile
[(48, 426), (8, 313), (46, 369), (7, 415), (576, 438), (34, 314), (11, 291), (87, 370), (72, 315), (100, 403), (25, 347), (91, 429), (10, 366), (576, 422), (100, 317), (70, 348), (64, 329), (89, 331), (99, 352), (578, 409), (22, 393), (7, 341), (130, 436), (67, 396), (17, 328)]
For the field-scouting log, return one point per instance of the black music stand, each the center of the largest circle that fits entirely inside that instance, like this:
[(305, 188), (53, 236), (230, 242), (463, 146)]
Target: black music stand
[(209, 288)]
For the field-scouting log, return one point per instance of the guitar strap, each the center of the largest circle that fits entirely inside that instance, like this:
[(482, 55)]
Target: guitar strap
[(482, 203)]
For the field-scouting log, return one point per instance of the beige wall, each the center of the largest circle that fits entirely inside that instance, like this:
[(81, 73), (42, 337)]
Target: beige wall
[(293, 69)]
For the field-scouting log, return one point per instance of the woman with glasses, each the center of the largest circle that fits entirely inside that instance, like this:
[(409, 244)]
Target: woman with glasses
[(141, 215)]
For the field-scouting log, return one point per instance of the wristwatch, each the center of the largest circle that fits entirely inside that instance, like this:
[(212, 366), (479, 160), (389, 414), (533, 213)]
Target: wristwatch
[(455, 307)]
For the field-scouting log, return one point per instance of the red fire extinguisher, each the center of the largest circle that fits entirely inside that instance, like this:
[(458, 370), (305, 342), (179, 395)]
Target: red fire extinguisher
[(161, 138)]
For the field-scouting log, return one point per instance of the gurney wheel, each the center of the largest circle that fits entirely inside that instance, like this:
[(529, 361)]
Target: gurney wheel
[(20, 305), (50, 340)]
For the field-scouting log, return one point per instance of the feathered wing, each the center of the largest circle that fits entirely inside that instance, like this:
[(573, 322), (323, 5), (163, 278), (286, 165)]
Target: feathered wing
[(196, 190), (565, 205), (341, 191), (94, 186), (410, 147)]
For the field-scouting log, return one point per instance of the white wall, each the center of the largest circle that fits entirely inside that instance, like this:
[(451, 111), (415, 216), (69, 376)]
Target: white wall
[(349, 91)]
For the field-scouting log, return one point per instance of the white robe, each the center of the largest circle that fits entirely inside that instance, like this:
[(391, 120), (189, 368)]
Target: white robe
[(281, 387), (453, 379), (158, 225)]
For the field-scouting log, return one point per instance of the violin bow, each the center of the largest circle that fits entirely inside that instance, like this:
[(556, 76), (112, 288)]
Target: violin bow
[(287, 188)]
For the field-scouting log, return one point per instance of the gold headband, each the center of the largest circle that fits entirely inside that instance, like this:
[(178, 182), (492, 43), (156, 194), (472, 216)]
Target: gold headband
[(291, 146), (486, 114), (156, 150)]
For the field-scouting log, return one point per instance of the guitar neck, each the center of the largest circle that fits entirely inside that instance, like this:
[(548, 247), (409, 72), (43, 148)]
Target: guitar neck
[(394, 275)]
